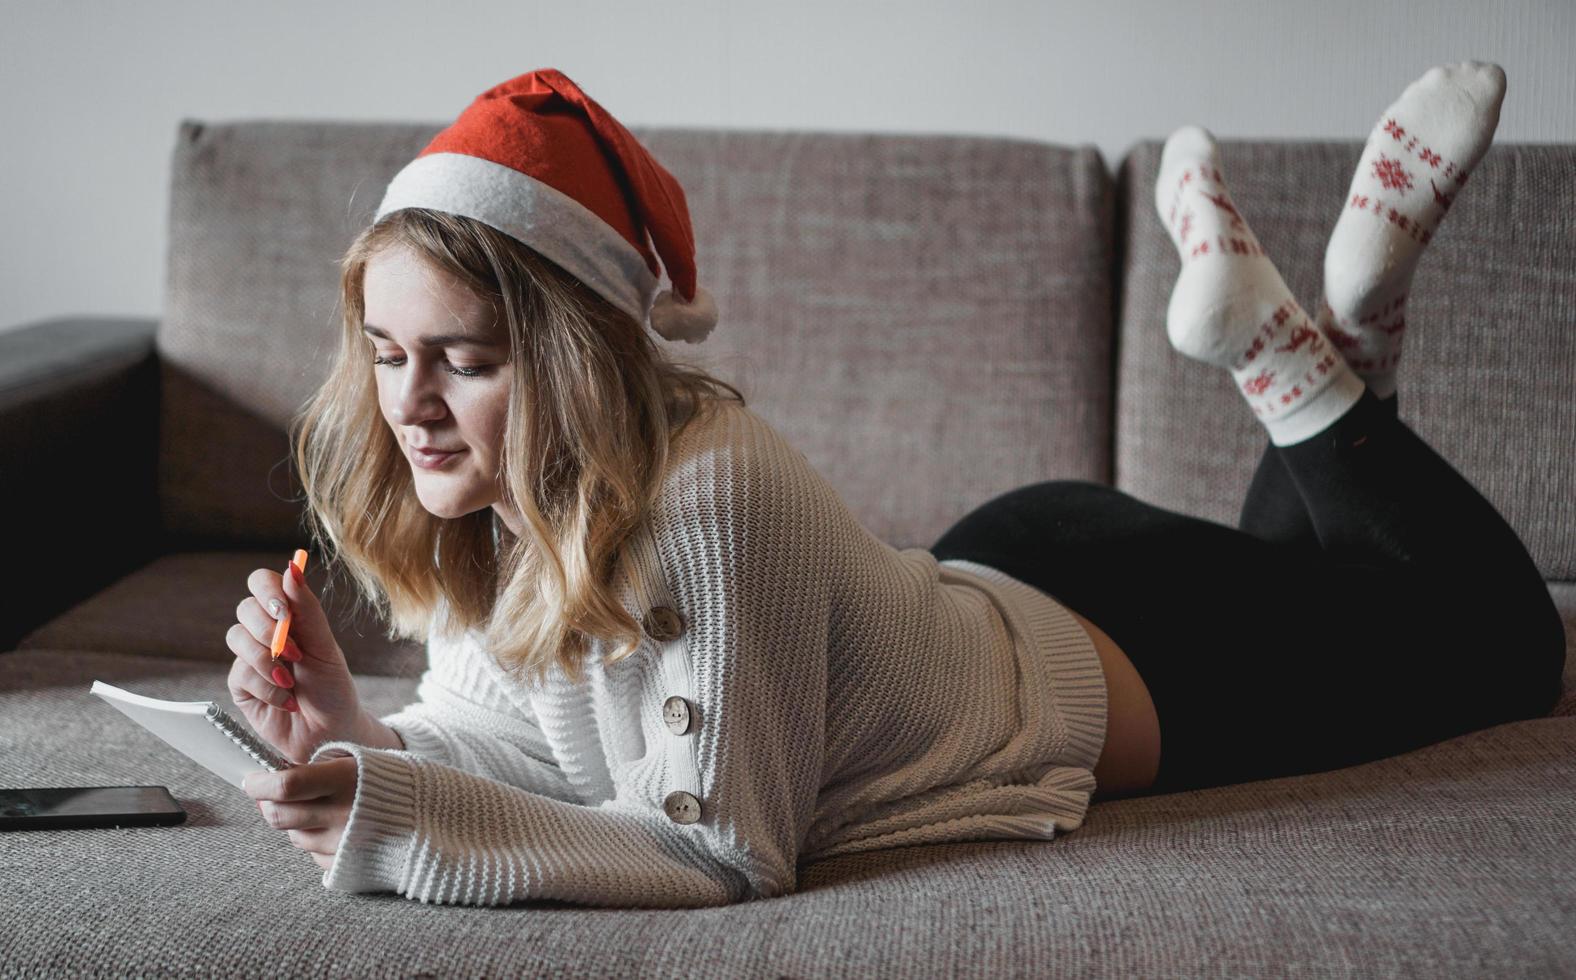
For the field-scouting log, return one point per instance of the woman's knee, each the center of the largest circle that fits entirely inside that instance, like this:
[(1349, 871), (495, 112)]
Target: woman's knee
[(1531, 637), (1547, 667), (1520, 658)]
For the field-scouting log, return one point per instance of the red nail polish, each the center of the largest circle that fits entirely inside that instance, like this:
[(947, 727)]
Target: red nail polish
[(291, 705), (282, 677)]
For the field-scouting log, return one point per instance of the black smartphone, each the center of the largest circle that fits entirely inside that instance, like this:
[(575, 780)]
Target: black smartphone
[(65, 807)]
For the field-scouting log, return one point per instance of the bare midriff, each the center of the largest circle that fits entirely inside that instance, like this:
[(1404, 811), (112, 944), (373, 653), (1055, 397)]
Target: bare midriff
[(1130, 760)]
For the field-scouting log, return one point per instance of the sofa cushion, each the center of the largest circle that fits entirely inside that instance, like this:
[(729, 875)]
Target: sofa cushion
[(1564, 594), (926, 317), (182, 605), (1451, 860), (1485, 369)]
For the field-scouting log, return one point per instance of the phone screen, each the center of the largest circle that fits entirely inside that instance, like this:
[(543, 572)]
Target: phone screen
[(88, 806)]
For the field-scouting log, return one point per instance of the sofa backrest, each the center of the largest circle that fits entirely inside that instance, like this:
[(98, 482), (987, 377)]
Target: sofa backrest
[(926, 317), (1488, 367)]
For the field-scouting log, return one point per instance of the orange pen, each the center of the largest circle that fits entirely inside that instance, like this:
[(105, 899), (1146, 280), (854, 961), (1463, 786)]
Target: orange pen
[(282, 628)]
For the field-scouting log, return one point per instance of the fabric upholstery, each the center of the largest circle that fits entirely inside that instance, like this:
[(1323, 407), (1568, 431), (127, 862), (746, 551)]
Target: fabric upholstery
[(182, 605), (1486, 366), (1453, 860), (78, 397), (1564, 594)]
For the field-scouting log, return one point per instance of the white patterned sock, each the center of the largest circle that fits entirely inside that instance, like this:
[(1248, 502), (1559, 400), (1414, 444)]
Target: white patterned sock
[(1415, 162), (1230, 307)]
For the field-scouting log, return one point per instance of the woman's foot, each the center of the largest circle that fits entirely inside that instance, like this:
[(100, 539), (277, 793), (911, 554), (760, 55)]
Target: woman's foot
[(1414, 164), (1230, 307)]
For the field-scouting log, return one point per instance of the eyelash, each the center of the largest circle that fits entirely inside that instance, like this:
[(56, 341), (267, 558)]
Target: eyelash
[(456, 371)]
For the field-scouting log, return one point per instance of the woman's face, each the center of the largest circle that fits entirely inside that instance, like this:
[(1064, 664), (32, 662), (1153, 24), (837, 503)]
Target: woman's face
[(442, 378)]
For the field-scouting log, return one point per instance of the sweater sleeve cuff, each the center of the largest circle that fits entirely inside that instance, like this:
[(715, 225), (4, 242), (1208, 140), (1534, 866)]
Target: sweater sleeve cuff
[(375, 849)]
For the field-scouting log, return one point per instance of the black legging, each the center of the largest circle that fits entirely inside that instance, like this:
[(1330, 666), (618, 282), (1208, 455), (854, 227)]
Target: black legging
[(1372, 602)]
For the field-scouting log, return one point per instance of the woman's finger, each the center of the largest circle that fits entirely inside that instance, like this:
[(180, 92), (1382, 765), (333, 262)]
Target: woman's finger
[(246, 684), (299, 816), (246, 648), (267, 587), (248, 619), (307, 619), (308, 781), (249, 612), (250, 616), (310, 841), (321, 842), (333, 778)]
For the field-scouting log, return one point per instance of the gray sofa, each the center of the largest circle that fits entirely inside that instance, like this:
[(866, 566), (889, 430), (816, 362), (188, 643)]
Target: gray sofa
[(932, 320)]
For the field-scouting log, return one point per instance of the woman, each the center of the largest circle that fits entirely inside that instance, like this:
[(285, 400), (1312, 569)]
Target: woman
[(665, 663)]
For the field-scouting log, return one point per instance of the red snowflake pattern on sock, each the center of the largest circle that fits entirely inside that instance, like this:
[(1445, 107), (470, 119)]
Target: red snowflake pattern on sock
[(1391, 174), (1258, 385), (1323, 367), (1239, 246), (1220, 201), (1303, 333), (1425, 154), (1266, 330)]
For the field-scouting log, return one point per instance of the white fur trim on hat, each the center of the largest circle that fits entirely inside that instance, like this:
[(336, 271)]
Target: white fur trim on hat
[(691, 322), (538, 214)]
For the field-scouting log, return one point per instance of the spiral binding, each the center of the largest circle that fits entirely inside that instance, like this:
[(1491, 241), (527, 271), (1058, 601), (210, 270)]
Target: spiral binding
[(260, 753)]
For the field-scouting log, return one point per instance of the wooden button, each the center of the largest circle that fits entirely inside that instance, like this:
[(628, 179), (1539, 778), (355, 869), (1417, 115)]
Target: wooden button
[(663, 624), (682, 807), (676, 715)]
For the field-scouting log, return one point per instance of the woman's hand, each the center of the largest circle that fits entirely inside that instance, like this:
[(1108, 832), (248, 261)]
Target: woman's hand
[(309, 696), (310, 802)]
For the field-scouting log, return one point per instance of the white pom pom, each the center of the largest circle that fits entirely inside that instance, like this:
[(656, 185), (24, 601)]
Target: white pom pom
[(691, 322)]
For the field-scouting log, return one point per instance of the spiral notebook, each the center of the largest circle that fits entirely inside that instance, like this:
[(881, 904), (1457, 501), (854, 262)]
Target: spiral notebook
[(200, 730)]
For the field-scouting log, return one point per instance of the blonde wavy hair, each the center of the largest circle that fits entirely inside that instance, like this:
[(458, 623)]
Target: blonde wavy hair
[(593, 407)]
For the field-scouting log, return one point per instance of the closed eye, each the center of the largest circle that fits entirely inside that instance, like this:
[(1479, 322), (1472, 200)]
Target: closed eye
[(457, 371)]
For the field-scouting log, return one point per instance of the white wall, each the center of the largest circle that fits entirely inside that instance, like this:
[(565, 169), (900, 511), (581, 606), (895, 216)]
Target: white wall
[(91, 92)]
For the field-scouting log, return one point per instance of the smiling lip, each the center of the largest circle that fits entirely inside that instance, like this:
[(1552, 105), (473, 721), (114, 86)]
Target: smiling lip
[(432, 461)]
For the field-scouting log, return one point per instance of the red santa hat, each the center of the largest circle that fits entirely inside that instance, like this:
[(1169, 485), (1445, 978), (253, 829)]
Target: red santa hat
[(539, 160)]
